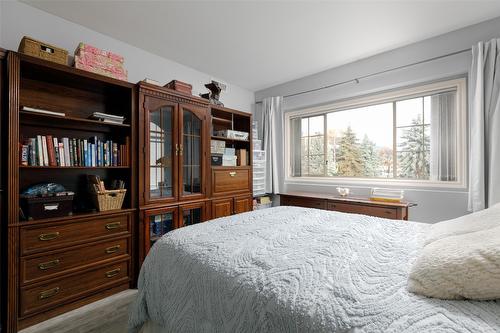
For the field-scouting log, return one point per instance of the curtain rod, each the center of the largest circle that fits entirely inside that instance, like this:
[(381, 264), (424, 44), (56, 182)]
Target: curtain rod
[(356, 80)]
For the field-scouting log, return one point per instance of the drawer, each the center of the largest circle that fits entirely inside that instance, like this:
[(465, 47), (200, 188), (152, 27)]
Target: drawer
[(43, 267), (302, 202), (230, 180), (49, 295), (40, 238), (390, 213)]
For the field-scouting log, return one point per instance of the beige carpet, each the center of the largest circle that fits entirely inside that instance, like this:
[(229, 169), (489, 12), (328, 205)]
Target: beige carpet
[(109, 315)]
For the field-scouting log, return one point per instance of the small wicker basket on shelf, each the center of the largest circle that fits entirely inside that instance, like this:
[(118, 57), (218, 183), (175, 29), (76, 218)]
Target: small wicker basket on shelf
[(109, 199)]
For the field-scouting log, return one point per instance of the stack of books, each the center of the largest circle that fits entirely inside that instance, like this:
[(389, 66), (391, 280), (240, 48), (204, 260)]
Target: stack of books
[(387, 195), (107, 118), (46, 150)]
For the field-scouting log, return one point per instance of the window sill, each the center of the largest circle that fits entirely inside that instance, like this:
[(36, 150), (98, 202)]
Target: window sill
[(365, 182)]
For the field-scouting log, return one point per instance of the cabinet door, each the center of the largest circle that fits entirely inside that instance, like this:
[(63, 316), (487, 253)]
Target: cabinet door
[(191, 214), (222, 207), (160, 155), (243, 204), (192, 151), (157, 223)]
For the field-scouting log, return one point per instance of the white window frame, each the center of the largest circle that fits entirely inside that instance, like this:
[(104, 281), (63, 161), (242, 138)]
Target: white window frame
[(460, 85)]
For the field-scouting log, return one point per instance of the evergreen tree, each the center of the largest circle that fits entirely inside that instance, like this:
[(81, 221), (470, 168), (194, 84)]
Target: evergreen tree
[(414, 156), (349, 155), (386, 165), (369, 157)]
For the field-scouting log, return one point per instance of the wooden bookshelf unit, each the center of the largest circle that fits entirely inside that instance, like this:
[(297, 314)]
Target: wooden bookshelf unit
[(58, 264)]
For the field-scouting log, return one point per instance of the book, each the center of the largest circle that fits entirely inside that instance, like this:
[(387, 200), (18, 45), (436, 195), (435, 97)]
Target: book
[(62, 161), (67, 160), (45, 155), (32, 147), (24, 154), (56, 151), (41, 111), (50, 150), (39, 150)]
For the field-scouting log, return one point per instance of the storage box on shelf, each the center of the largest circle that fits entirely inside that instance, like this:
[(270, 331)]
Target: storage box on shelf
[(62, 266)]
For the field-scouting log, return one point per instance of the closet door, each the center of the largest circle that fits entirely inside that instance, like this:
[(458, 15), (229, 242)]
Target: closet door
[(192, 151), (161, 151)]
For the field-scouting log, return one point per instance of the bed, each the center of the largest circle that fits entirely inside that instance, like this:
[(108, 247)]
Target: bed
[(291, 269)]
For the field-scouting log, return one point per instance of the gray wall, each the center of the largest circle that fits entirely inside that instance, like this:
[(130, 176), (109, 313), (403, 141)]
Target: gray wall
[(18, 19), (433, 205)]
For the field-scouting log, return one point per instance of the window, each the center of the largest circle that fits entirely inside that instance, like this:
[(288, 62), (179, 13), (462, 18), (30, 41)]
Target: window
[(414, 135)]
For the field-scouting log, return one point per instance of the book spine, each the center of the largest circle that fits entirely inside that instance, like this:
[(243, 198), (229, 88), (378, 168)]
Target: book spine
[(39, 151), (45, 157), (62, 159), (105, 153), (23, 155), (50, 150), (115, 154), (56, 151), (33, 151), (85, 153), (66, 149)]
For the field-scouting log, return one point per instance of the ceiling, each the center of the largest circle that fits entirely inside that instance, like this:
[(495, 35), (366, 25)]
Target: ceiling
[(258, 44)]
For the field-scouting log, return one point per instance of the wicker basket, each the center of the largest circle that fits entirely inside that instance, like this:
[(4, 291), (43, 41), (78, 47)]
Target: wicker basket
[(109, 199), (42, 50)]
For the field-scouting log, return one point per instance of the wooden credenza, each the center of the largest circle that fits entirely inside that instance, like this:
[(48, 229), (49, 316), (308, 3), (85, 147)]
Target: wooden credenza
[(365, 206)]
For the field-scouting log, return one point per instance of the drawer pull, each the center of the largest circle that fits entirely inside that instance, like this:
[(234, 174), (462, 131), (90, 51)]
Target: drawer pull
[(112, 249), (49, 293), (114, 225), (388, 212), (232, 173), (112, 273), (47, 237), (49, 264)]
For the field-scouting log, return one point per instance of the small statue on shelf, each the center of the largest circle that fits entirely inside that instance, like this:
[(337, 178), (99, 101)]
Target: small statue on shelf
[(214, 94)]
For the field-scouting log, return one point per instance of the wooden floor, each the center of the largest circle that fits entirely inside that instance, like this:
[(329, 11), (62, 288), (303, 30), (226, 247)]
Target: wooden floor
[(109, 315)]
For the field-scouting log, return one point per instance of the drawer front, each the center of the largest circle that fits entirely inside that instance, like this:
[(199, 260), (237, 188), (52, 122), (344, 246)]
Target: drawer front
[(243, 204), (49, 237), (302, 202), (389, 213), (222, 207), (46, 296), (230, 181), (43, 267)]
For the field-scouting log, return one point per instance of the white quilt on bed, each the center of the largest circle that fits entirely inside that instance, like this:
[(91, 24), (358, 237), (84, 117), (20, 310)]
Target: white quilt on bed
[(290, 269)]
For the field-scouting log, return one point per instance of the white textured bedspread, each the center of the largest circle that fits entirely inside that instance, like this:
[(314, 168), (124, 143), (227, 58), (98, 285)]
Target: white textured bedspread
[(290, 269)]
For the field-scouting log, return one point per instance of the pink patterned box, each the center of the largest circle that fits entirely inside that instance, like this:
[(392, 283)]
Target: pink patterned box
[(98, 61)]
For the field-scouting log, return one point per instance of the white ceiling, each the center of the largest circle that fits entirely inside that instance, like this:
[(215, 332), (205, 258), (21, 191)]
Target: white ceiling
[(258, 44)]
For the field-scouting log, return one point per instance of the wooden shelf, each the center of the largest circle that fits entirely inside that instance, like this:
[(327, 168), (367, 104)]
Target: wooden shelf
[(75, 215), (38, 119), (72, 167), (223, 167), (228, 139), (222, 120)]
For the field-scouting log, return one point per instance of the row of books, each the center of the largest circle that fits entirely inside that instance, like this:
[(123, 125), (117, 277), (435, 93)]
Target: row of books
[(46, 150)]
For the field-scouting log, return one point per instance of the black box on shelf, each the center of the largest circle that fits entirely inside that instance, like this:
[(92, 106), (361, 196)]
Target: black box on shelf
[(216, 159), (42, 207)]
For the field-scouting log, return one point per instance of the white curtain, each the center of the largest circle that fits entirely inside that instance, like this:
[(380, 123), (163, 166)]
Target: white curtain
[(443, 137), (272, 120), (484, 118)]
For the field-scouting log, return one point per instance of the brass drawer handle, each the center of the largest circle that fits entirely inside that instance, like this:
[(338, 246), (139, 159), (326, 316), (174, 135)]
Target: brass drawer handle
[(49, 293), (49, 264), (47, 237), (112, 273), (232, 173), (114, 225), (112, 249)]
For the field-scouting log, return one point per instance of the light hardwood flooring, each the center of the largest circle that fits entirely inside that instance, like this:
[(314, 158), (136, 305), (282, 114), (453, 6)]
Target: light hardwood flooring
[(109, 315)]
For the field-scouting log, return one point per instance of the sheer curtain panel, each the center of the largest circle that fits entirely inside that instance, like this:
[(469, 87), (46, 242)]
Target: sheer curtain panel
[(484, 118), (272, 119)]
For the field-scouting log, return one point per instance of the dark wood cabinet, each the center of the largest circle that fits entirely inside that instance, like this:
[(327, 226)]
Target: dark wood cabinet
[(173, 139), (57, 264), (222, 207), (243, 204), (365, 206)]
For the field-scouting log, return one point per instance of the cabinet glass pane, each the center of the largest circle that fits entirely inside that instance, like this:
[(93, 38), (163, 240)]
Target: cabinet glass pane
[(159, 225), (191, 216), (191, 153), (160, 153)]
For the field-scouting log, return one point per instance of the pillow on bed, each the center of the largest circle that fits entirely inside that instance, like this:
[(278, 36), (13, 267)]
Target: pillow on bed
[(458, 267), (481, 220)]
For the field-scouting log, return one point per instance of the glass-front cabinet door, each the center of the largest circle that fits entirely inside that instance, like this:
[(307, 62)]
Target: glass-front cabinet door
[(161, 153), (159, 222), (191, 214), (191, 150)]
